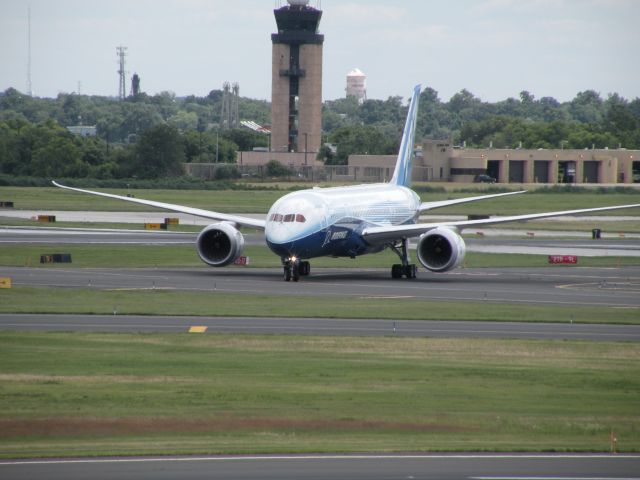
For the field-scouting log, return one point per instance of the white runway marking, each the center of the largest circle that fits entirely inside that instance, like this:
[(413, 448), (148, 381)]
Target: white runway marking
[(338, 457), (511, 477)]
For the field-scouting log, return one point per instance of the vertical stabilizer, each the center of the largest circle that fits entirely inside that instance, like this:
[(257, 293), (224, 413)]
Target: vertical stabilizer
[(402, 173)]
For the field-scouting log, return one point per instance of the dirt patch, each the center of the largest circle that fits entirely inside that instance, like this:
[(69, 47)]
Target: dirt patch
[(62, 427), (31, 378)]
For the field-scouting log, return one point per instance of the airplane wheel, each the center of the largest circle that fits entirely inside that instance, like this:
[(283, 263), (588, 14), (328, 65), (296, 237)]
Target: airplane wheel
[(295, 271), (396, 271), (410, 271), (305, 269), (287, 273)]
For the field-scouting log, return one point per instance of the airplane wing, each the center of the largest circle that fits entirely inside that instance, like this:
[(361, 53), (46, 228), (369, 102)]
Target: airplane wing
[(238, 220), (380, 235), (445, 203)]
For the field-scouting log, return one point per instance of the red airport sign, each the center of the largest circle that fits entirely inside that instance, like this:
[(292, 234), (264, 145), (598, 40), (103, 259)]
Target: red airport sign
[(555, 259), (241, 261)]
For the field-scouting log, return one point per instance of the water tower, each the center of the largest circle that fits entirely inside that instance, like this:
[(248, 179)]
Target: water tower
[(296, 79), (357, 85)]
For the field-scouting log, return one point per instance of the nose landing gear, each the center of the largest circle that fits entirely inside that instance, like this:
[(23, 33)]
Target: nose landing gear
[(294, 269)]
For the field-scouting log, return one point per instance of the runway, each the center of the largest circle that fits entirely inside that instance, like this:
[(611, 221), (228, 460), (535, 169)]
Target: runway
[(557, 285), (319, 326), (343, 467)]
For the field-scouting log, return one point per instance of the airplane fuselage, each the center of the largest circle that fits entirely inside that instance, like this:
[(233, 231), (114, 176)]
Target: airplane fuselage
[(328, 221)]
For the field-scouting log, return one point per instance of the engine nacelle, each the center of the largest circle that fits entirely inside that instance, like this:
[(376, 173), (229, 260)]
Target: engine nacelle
[(441, 249), (219, 244)]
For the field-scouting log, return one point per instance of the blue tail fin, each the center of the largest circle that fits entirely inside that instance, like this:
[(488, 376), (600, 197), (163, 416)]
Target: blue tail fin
[(402, 173)]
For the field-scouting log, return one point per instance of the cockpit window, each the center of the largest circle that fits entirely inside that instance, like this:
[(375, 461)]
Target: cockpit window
[(290, 217)]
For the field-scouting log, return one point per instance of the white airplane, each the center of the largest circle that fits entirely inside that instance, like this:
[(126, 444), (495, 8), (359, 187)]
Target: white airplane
[(348, 222)]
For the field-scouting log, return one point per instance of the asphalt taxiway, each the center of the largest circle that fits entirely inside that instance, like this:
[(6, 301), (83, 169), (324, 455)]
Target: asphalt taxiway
[(343, 467), (319, 326), (557, 285)]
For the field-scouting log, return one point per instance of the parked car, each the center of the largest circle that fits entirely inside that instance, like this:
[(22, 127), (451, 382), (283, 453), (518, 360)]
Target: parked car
[(484, 179)]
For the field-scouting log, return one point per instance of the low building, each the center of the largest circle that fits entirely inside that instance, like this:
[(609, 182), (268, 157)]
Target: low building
[(83, 130), (438, 160), (289, 159)]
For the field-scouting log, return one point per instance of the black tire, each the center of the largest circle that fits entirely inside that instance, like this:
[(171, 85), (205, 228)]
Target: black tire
[(410, 271), (305, 269), (396, 271), (287, 273), (295, 272)]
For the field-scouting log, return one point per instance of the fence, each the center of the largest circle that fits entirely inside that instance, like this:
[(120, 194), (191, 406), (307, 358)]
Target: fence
[(333, 173)]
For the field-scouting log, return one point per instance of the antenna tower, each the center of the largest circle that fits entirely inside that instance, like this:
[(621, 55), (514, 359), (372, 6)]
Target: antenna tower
[(29, 86), (235, 119), (229, 117), (225, 115), (122, 53)]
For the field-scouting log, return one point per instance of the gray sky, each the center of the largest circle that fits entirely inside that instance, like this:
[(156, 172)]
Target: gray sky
[(493, 48)]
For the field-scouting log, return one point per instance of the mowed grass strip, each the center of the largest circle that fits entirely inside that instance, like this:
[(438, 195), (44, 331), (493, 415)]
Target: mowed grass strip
[(259, 201), (67, 394), (132, 256), (212, 302), (227, 201)]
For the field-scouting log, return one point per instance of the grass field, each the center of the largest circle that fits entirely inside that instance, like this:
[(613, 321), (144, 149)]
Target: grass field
[(76, 394), (89, 256), (259, 201), (118, 394), (210, 301)]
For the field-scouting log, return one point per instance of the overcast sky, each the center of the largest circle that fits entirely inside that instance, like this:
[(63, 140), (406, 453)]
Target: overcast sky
[(493, 48)]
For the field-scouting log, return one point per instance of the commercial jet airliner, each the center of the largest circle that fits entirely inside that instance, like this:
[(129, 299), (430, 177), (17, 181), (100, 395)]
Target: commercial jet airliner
[(348, 222)]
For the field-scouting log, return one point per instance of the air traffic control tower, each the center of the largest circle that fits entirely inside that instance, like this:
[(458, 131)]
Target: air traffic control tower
[(296, 86)]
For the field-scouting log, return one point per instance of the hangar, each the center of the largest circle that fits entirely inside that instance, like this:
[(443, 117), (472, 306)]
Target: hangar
[(439, 160)]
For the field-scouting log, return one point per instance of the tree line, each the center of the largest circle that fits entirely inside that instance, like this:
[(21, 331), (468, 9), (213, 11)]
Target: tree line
[(586, 121), (143, 137), (151, 136)]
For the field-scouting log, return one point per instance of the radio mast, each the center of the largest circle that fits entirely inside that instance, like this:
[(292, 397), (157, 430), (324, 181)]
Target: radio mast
[(122, 91)]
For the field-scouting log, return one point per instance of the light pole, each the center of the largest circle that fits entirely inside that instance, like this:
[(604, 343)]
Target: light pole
[(305, 148)]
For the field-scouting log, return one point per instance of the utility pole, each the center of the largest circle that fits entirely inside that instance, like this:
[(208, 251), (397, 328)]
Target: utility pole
[(29, 86)]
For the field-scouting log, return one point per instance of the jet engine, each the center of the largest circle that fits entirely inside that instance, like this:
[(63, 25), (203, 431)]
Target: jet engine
[(441, 249), (219, 244)]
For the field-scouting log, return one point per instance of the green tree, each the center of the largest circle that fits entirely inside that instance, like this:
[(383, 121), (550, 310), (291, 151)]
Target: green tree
[(184, 121), (159, 153), (587, 107), (245, 139), (360, 140), (275, 169)]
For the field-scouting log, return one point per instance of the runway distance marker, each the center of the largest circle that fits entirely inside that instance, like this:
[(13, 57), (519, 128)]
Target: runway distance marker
[(5, 282)]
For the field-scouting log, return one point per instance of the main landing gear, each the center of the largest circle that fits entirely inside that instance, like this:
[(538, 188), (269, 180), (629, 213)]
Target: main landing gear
[(405, 269), (294, 269)]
